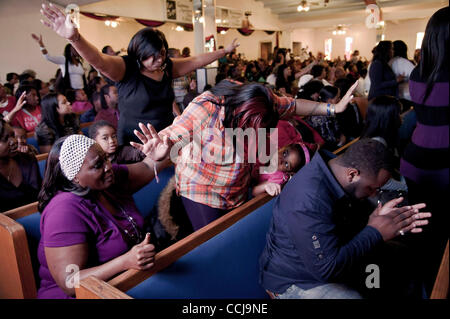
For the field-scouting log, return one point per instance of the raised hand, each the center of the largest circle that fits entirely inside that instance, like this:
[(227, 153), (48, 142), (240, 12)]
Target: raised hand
[(58, 22), (392, 221), (38, 39), (21, 102), (141, 256), (232, 46), (152, 145), (348, 97)]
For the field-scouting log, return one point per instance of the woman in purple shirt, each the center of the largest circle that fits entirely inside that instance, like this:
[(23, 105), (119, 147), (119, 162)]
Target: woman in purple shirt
[(90, 224)]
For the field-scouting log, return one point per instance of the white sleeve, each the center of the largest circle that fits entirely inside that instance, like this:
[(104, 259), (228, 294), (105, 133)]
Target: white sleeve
[(61, 60)]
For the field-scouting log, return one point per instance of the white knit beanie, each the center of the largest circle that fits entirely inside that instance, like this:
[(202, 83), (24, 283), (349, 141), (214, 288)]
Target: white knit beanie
[(73, 152)]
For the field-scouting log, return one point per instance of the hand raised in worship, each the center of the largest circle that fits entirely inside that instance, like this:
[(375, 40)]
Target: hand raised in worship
[(141, 256), (152, 145), (232, 46), (38, 39), (59, 22), (392, 221), (20, 102), (348, 97)]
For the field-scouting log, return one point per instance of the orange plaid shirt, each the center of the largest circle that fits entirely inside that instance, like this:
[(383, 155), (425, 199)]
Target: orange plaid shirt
[(220, 185)]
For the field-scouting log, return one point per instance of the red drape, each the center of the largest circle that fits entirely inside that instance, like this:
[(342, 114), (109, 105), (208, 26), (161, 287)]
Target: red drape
[(245, 31), (99, 17), (150, 23)]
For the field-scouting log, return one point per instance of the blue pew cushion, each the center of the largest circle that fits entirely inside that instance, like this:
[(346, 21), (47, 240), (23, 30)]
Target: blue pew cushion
[(31, 224), (226, 266)]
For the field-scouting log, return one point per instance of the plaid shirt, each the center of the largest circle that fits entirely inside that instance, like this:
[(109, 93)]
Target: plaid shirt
[(220, 185)]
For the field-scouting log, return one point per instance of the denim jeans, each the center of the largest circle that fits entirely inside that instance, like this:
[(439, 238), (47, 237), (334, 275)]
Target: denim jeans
[(327, 291)]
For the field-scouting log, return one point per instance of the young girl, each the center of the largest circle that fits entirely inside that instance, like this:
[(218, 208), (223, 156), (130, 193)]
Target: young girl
[(104, 133), (21, 137), (81, 103), (293, 154), (328, 127), (57, 120)]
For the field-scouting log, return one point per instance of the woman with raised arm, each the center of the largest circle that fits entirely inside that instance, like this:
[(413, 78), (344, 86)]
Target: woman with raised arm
[(212, 179), (90, 223), (70, 64), (143, 77)]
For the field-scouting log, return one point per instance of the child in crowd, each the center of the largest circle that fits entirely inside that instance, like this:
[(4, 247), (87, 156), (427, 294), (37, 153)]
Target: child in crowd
[(81, 103), (293, 154), (58, 120), (21, 136), (327, 126), (105, 134)]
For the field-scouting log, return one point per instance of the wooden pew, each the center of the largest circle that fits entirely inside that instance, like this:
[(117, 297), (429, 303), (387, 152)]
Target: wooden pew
[(16, 272), (129, 279), (440, 288)]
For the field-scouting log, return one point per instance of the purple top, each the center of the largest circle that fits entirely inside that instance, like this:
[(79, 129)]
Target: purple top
[(70, 219), (426, 159)]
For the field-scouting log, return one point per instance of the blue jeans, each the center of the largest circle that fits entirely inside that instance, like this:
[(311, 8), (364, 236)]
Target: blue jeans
[(327, 291)]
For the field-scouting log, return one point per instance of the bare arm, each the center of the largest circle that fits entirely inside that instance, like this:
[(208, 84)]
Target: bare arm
[(111, 66), (183, 66), (305, 70), (307, 107), (59, 260)]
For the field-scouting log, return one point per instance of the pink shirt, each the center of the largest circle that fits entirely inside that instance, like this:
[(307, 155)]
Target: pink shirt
[(28, 120), (81, 106)]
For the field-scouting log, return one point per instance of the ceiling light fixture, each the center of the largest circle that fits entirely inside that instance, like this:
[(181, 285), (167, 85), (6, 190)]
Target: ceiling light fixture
[(303, 7)]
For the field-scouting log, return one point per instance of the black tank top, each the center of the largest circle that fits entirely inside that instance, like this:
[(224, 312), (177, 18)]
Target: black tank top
[(145, 100)]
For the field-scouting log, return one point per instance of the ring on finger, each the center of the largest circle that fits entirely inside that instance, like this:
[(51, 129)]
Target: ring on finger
[(401, 232)]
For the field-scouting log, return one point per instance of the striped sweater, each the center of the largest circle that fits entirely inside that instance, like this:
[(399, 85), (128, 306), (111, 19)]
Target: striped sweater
[(426, 159)]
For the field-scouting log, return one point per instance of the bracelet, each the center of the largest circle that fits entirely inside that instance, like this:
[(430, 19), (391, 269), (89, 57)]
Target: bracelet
[(333, 110), (328, 109)]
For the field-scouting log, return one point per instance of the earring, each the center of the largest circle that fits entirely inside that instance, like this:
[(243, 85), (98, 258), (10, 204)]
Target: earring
[(139, 64)]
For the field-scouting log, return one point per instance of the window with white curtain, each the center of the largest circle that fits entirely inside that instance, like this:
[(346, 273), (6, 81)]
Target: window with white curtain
[(348, 47), (419, 39), (328, 48)]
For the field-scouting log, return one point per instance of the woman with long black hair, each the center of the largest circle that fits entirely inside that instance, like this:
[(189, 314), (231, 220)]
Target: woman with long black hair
[(425, 161), (70, 64), (58, 120)]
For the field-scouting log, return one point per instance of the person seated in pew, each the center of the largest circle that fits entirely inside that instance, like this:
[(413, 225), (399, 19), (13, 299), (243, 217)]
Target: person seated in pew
[(21, 136), (81, 103), (89, 218), (109, 100), (58, 120), (293, 154), (105, 134), (327, 126), (20, 179), (321, 237), (209, 187), (27, 112)]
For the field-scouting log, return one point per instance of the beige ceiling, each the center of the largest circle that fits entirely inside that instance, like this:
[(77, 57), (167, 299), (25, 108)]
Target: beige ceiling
[(348, 11)]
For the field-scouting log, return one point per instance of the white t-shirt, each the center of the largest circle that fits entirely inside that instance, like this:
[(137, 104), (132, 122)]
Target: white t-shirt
[(402, 66), (76, 72)]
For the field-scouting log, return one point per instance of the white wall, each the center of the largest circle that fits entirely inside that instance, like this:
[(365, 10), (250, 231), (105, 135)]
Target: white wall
[(406, 30), (364, 39), (249, 45)]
